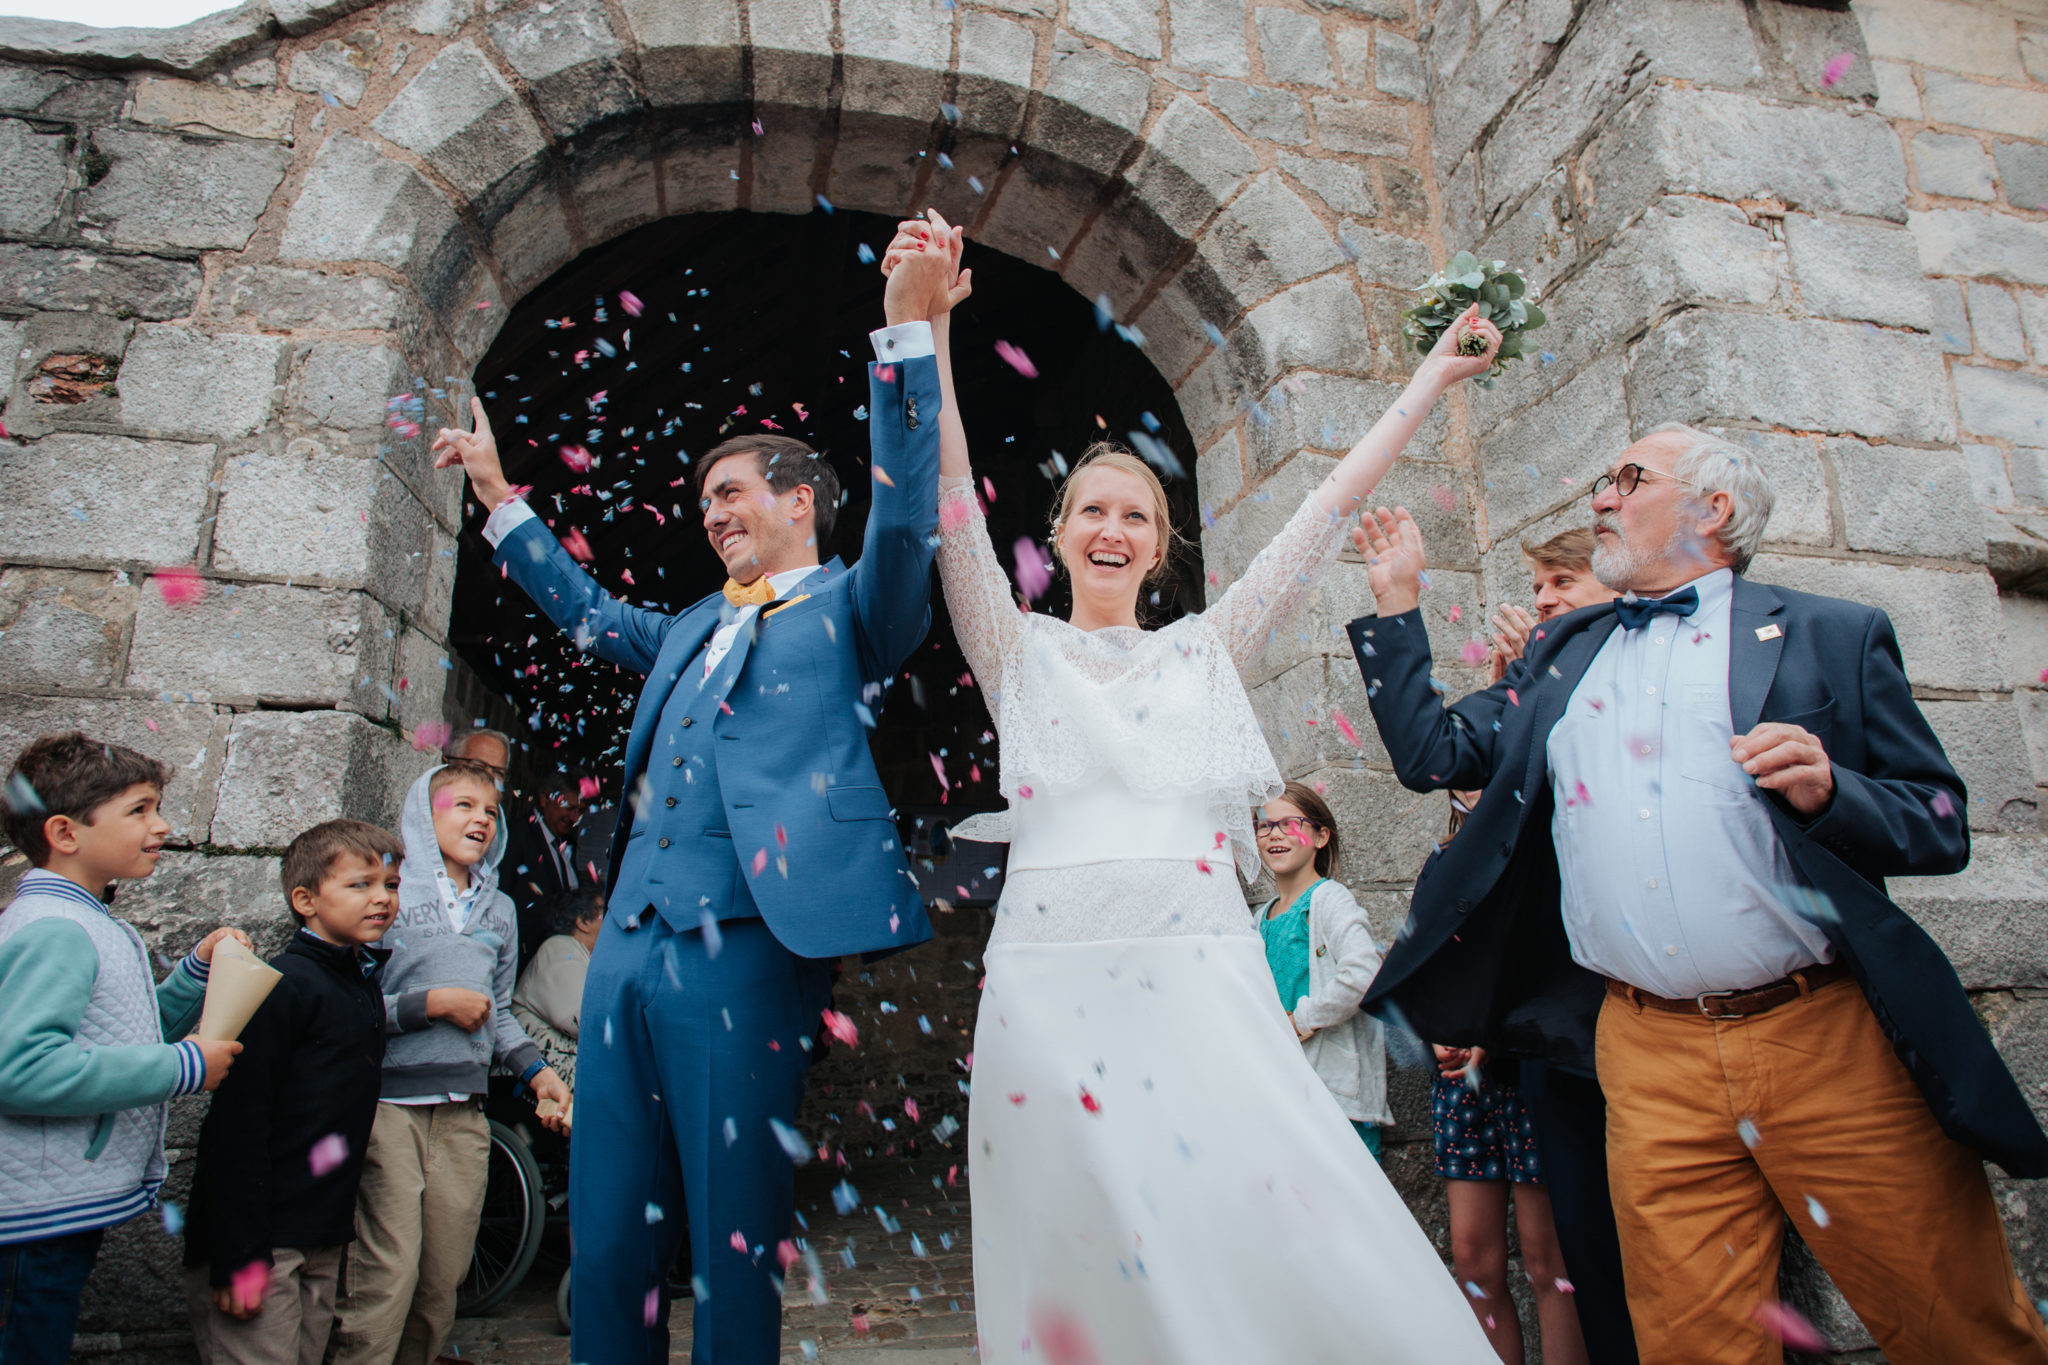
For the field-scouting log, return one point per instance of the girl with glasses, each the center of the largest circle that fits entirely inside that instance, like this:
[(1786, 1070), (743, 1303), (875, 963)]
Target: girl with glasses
[(1320, 950)]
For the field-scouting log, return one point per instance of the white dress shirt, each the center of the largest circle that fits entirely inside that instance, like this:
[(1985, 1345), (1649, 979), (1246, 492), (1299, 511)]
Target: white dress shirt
[(1672, 877), (905, 341)]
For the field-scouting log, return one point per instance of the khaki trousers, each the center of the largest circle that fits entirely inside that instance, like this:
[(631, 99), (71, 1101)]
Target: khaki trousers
[(1899, 1215), (416, 1220), (292, 1326)]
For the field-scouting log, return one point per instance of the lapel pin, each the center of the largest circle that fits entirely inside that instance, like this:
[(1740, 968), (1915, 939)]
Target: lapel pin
[(1769, 633)]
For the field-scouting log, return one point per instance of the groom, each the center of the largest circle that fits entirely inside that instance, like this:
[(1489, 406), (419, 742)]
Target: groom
[(757, 846)]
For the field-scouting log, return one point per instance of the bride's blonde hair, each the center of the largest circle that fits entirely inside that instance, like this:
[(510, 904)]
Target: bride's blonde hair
[(1110, 455)]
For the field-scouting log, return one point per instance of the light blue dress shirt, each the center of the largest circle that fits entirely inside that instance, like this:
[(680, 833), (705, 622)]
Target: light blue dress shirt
[(1673, 879)]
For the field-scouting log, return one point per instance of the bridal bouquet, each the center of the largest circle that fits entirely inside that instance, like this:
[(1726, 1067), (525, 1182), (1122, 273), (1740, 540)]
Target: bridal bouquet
[(1502, 296)]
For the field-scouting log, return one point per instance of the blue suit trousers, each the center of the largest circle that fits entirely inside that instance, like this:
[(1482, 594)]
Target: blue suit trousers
[(692, 1055)]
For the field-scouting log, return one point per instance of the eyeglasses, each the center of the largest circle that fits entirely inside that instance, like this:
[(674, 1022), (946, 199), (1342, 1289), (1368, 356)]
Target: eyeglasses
[(1293, 826), (1629, 477)]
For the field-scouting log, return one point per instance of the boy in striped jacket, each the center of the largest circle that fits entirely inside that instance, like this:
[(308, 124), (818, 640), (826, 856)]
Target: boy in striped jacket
[(85, 1071)]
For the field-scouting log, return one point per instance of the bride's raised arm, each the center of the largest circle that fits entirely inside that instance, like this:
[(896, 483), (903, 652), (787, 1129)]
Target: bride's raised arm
[(1283, 574)]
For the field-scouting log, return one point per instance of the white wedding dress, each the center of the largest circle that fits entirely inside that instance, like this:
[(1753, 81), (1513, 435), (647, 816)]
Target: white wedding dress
[(1158, 1176)]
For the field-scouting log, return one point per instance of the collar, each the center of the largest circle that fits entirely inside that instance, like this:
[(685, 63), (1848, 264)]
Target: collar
[(46, 883), (1715, 590), (365, 958), (789, 578)]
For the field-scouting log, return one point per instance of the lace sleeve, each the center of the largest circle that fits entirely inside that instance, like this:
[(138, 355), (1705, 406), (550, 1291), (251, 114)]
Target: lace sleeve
[(1278, 581), (986, 620)]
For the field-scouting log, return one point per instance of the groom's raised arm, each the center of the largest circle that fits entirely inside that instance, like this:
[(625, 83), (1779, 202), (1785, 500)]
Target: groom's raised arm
[(531, 557)]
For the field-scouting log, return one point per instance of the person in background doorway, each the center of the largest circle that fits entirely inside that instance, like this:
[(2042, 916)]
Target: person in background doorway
[(548, 1002)]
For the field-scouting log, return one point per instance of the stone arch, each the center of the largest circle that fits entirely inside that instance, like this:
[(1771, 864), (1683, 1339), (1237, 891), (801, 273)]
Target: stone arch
[(350, 197)]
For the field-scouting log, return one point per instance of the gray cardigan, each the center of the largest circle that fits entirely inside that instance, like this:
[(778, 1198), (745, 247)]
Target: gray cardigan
[(432, 1056)]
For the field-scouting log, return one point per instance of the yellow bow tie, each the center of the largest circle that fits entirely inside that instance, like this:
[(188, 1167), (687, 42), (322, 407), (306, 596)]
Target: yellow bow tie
[(751, 594)]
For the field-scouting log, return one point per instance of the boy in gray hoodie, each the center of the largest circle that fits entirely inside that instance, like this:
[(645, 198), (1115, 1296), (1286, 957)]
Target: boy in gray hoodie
[(447, 1016)]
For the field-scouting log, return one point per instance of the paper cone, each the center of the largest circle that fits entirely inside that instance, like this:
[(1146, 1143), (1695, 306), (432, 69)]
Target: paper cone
[(549, 1108), (238, 982)]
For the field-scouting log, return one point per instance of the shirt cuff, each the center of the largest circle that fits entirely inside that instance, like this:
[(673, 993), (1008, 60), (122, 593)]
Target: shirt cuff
[(194, 967), (191, 1068), (904, 341), (510, 515)]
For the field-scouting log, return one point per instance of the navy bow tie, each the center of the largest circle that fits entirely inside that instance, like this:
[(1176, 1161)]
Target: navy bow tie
[(1635, 612)]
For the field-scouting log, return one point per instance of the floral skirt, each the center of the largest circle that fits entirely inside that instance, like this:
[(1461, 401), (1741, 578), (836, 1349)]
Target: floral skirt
[(1483, 1134)]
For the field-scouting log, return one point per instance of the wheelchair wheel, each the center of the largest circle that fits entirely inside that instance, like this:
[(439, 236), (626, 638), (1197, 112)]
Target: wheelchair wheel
[(562, 1302), (509, 1233)]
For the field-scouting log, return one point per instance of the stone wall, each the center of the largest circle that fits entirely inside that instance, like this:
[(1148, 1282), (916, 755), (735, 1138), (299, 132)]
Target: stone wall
[(225, 250)]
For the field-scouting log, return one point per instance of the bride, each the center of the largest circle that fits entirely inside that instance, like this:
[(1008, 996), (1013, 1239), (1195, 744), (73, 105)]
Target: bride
[(1158, 1176)]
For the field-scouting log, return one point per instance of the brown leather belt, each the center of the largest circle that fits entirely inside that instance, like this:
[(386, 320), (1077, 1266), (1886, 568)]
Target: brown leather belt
[(1737, 1004)]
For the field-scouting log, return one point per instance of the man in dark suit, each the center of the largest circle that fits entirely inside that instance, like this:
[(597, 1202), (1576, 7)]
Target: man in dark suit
[(1692, 797), (758, 845), (540, 857)]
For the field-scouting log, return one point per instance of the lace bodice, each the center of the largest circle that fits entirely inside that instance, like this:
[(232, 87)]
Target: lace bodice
[(1164, 710)]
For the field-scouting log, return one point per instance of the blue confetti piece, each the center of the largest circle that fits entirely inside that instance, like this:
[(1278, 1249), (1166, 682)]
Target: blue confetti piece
[(824, 203), (865, 254)]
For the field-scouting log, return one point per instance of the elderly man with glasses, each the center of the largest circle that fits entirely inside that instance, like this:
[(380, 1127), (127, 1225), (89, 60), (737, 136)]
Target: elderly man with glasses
[(1693, 796)]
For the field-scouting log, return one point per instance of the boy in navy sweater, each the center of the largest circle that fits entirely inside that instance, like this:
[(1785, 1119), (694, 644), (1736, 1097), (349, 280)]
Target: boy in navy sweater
[(281, 1152)]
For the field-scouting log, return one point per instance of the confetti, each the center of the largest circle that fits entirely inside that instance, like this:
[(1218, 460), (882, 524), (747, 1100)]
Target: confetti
[(1837, 67), (1473, 654), (1033, 577), (760, 860), (630, 302), (180, 587), (578, 459), (841, 1028), (252, 1281), (1788, 1325), (1344, 728), (327, 1154), (739, 1243), (1089, 1102), (650, 1310), (792, 1141), (174, 1218), (578, 548), (1014, 357), (430, 737)]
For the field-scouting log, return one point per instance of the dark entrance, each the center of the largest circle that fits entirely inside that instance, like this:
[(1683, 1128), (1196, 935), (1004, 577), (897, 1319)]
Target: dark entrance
[(754, 323)]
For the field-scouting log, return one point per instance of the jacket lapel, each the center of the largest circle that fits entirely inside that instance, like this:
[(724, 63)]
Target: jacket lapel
[(1752, 661), (1569, 667), (684, 641)]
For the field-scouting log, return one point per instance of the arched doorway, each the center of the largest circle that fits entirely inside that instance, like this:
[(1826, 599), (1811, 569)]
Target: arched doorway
[(647, 351)]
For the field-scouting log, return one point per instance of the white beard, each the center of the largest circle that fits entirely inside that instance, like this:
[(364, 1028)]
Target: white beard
[(1621, 565)]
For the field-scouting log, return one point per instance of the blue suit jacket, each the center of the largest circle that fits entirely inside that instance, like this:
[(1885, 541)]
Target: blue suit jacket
[(810, 826), (1484, 959)]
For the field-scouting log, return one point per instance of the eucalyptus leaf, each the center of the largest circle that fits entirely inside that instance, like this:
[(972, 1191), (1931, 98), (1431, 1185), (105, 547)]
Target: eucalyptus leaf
[(1502, 295)]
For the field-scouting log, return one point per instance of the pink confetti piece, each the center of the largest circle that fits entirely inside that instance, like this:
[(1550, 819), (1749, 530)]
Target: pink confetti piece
[(1513, 698), (1014, 357), (940, 768), (885, 374), (482, 304), (1202, 866), (1444, 498), (1942, 805), (1456, 612), (1788, 1325), (1219, 838), (1344, 728), (1837, 67), (151, 723), (988, 487), (760, 860), (1033, 578), (1061, 1339), (588, 787), (1017, 1098), (1474, 653), (841, 1028), (739, 1243), (786, 1255), (181, 587), (326, 1154), (955, 514), (910, 1108), (578, 548), (882, 477), (801, 415), (251, 1282), (1089, 1102), (430, 737), (630, 301), (577, 458), (1025, 792), (781, 837), (650, 1311)]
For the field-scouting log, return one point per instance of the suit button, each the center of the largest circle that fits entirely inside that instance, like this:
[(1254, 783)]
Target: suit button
[(1463, 905), (670, 802), (677, 760), (661, 843), (688, 721), (1507, 850)]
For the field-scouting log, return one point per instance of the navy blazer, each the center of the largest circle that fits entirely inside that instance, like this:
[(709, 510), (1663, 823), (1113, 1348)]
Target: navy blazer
[(1484, 958), (810, 825)]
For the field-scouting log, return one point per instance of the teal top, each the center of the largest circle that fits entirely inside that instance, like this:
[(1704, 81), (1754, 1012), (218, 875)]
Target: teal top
[(1286, 936)]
